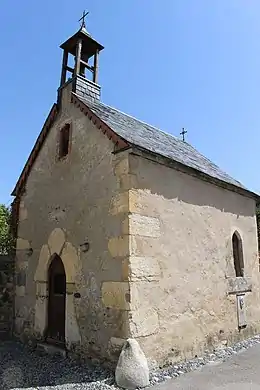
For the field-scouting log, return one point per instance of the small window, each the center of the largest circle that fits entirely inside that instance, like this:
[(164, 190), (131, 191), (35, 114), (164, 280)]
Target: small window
[(64, 141), (238, 254)]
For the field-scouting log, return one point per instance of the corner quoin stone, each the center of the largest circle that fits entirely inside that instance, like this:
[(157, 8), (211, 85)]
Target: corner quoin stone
[(120, 204), (121, 165), (144, 268), (143, 322), (22, 244), (118, 246), (137, 224), (23, 213)]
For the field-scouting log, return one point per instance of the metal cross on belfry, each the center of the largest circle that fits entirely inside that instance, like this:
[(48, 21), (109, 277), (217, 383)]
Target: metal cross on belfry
[(83, 24), (183, 132)]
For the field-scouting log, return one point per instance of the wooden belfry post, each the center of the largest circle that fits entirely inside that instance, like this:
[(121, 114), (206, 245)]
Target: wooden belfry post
[(82, 46), (95, 73), (78, 57), (64, 67)]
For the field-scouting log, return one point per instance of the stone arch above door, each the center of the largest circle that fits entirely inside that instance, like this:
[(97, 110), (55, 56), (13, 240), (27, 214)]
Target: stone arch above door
[(57, 244)]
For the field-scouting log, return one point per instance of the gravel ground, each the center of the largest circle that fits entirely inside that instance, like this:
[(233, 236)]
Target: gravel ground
[(21, 368)]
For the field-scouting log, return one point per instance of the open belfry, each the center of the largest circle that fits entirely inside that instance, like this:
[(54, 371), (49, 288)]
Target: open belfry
[(125, 231)]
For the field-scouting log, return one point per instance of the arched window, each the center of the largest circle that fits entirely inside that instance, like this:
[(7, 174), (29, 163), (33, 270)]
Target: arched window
[(238, 254)]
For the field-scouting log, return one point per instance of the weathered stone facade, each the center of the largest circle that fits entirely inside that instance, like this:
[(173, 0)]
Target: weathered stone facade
[(182, 277), (68, 203), (159, 265)]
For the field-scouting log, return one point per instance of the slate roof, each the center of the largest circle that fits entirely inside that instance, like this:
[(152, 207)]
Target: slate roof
[(154, 140)]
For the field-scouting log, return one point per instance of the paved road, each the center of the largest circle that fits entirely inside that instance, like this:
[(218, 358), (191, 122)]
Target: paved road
[(240, 372)]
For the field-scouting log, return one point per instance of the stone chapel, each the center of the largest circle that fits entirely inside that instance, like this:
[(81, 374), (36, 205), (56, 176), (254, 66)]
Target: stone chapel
[(123, 230)]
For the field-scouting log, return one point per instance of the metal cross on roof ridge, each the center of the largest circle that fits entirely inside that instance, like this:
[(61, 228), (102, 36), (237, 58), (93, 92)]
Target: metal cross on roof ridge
[(183, 132), (83, 24)]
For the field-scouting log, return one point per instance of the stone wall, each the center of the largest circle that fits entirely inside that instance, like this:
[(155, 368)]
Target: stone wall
[(6, 296), (68, 204), (181, 266), (158, 265)]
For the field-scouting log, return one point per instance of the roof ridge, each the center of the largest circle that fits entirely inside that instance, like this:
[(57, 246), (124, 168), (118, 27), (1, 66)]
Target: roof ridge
[(165, 144), (139, 120), (164, 132)]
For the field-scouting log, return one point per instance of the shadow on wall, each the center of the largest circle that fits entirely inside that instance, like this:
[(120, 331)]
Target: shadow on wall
[(172, 184)]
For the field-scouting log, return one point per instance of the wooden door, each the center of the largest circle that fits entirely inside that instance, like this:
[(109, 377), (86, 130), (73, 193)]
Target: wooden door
[(57, 302)]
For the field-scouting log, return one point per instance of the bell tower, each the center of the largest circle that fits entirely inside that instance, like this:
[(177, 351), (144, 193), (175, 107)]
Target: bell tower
[(83, 74)]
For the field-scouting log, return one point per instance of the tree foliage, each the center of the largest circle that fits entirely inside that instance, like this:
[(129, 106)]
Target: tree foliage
[(5, 231)]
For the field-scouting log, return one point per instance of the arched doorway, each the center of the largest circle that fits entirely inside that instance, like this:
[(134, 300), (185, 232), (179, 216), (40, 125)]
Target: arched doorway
[(56, 301)]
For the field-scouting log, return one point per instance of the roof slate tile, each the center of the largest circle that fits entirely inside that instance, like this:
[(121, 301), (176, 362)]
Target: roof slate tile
[(154, 140)]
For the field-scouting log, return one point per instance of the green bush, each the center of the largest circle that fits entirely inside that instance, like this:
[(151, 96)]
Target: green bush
[(5, 232)]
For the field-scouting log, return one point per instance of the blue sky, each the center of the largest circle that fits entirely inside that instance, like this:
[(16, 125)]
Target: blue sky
[(172, 63)]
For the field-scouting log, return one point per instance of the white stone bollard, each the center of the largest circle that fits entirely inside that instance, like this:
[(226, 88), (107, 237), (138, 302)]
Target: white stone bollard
[(132, 368)]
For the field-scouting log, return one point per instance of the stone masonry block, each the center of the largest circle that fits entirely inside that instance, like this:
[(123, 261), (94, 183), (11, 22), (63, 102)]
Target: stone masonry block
[(125, 269), (121, 166), (144, 268), (142, 225), (116, 295), (239, 285), (56, 241), (143, 322), (127, 181), (119, 203), (119, 246), (22, 244), (21, 278), (42, 264), (144, 246), (116, 342), (144, 202), (70, 288), (71, 262), (23, 213), (41, 289), (20, 291), (21, 265), (145, 294)]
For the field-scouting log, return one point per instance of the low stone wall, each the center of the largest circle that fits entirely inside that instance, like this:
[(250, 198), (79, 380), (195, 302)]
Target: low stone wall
[(6, 296)]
